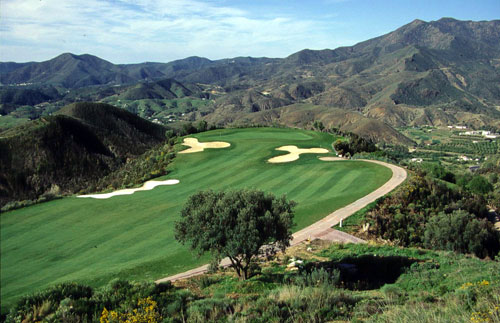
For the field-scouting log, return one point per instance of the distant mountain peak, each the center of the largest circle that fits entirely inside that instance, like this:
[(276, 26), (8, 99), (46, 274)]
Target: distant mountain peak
[(417, 22), (448, 19)]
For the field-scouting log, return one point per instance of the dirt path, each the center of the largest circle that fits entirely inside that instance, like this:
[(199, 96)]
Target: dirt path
[(323, 228)]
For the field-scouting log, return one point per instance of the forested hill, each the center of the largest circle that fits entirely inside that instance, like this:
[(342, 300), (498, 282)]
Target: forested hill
[(70, 151)]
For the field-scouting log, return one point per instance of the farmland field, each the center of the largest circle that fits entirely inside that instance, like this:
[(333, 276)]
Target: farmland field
[(131, 237)]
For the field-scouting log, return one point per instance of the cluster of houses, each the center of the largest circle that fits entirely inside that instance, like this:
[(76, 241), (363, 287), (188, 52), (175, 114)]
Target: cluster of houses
[(465, 158), (484, 133)]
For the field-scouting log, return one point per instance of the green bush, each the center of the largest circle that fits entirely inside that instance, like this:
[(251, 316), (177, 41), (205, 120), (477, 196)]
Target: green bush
[(479, 185), (210, 309), (319, 278), (462, 232)]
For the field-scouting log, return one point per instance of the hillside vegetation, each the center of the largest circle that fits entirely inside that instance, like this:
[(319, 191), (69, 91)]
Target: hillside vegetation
[(72, 151), (357, 283)]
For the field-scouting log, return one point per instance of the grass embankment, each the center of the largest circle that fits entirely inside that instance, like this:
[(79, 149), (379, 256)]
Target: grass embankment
[(131, 237)]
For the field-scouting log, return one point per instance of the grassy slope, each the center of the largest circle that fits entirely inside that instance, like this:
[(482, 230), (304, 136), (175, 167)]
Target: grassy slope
[(132, 237), (8, 121), (421, 285)]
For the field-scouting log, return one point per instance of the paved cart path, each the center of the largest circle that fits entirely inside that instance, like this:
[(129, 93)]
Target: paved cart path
[(323, 228)]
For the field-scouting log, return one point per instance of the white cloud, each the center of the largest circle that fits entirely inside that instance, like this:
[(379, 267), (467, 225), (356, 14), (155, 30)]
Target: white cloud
[(125, 31)]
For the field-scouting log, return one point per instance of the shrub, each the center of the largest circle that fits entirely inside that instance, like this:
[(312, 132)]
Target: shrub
[(210, 309), (462, 232), (319, 278), (479, 185)]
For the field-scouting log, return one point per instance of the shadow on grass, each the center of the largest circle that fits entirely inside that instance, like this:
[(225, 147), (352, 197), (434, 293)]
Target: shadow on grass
[(365, 272)]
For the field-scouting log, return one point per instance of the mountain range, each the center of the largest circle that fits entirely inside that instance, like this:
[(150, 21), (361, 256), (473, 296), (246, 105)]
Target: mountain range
[(439, 73)]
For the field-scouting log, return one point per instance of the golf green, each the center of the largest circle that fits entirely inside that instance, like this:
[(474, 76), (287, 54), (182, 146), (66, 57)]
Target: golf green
[(131, 237)]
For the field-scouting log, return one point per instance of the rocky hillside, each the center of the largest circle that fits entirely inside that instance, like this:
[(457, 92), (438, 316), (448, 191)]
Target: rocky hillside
[(440, 72)]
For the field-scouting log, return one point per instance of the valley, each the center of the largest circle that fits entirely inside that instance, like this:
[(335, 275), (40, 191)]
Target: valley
[(394, 141), (424, 73)]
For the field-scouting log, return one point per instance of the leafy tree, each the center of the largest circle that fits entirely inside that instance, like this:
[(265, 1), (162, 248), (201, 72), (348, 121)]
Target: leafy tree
[(318, 125), (187, 129), (460, 231), (202, 126), (169, 134), (356, 144), (437, 170), (402, 217), (463, 180), (236, 225), (341, 147), (479, 185)]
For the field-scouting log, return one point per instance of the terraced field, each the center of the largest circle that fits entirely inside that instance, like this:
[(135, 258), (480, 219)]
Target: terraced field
[(131, 237)]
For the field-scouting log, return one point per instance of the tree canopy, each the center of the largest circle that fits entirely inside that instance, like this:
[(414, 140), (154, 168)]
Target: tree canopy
[(462, 232), (235, 224)]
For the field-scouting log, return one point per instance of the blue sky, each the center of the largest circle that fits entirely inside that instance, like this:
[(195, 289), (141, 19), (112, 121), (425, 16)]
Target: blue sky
[(134, 31)]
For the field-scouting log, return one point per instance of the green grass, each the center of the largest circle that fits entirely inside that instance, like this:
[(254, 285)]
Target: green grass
[(7, 122), (93, 241)]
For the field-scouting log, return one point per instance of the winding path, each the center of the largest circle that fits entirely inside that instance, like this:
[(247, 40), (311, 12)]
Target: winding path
[(323, 228)]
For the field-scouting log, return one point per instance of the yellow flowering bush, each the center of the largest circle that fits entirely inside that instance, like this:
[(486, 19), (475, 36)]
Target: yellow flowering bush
[(488, 311), (146, 312), (481, 283), (489, 316)]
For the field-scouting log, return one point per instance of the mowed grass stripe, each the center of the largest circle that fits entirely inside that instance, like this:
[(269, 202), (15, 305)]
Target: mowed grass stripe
[(256, 179), (303, 181), (132, 237), (326, 183), (215, 167)]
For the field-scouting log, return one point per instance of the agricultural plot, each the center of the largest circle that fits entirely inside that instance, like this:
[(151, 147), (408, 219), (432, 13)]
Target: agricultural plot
[(483, 147), (94, 241), (442, 141)]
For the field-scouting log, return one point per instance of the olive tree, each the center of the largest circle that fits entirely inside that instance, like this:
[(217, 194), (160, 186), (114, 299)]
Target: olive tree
[(235, 224)]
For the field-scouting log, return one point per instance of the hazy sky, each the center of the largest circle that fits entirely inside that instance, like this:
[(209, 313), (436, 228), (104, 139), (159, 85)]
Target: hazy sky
[(126, 31)]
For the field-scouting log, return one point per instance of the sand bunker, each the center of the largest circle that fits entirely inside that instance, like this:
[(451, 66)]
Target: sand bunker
[(149, 185), (331, 158), (294, 153), (200, 146)]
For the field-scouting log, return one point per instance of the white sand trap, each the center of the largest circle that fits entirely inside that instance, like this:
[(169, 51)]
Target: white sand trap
[(149, 185), (294, 153), (331, 158), (200, 146)]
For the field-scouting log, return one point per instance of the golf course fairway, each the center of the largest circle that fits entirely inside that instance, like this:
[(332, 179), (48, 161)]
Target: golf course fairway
[(131, 236)]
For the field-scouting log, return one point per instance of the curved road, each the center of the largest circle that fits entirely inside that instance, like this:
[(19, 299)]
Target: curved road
[(323, 228)]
